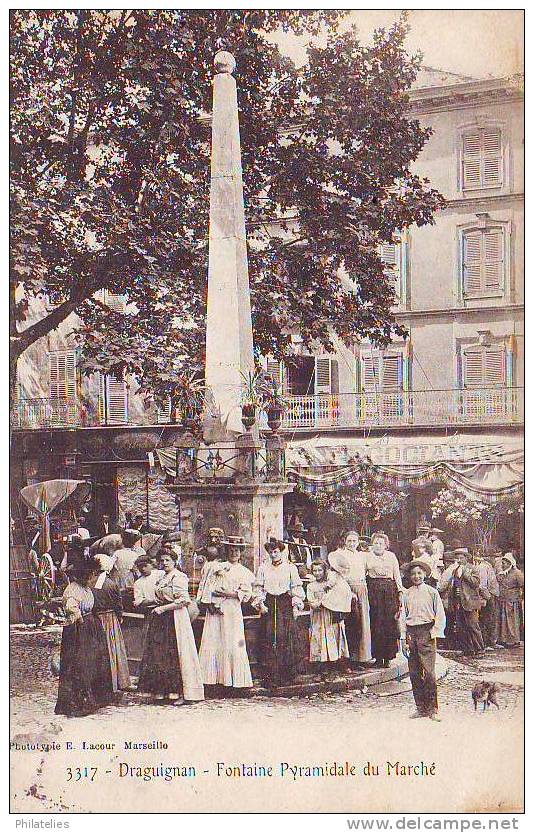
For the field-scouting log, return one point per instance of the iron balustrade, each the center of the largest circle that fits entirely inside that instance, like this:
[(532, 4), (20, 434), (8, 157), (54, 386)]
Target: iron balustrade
[(478, 406), (204, 464), (412, 407), (72, 413)]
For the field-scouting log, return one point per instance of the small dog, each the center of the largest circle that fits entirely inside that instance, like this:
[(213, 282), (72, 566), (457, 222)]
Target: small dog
[(486, 693)]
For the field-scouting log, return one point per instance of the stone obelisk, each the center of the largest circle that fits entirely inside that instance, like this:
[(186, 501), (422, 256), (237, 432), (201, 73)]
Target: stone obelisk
[(229, 347), (236, 486)]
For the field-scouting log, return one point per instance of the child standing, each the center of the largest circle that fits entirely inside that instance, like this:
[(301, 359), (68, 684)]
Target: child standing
[(329, 597), (422, 621)]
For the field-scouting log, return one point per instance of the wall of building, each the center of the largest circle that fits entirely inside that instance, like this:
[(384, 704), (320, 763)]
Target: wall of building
[(434, 311), (33, 374)]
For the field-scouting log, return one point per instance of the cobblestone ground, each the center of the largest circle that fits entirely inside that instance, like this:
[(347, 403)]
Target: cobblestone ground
[(480, 752), (34, 688)]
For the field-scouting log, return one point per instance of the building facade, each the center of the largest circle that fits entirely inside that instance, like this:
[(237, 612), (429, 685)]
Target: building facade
[(453, 386), (452, 391)]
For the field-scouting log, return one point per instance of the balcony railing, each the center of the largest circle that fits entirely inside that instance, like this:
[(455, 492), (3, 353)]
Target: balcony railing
[(479, 406), (417, 407), (70, 413)]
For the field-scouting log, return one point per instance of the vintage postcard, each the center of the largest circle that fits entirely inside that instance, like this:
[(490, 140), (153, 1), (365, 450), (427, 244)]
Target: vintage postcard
[(266, 412)]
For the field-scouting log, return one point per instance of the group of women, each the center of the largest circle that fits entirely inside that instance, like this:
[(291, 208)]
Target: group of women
[(354, 603)]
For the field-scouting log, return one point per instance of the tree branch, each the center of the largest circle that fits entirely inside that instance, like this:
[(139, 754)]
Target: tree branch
[(22, 340)]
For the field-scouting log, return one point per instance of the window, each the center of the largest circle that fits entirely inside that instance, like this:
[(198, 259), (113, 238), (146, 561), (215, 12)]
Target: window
[(62, 375), (483, 261), (484, 367), (485, 391), (62, 407), (311, 385), (113, 400), (383, 377), (482, 158), (391, 256), (326, 375), (382, 371), (117, 303)]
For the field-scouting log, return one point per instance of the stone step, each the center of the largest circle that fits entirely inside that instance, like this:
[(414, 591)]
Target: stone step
[(308, 685)]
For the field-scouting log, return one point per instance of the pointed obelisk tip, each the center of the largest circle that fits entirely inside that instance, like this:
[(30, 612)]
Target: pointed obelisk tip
[(224, 62)]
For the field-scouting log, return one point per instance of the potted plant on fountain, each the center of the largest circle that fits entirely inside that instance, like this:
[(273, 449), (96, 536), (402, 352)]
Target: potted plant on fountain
[(188, 398), (274, 402), (252, 396)]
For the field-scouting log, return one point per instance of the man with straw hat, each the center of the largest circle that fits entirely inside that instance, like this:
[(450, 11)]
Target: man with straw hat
[(438, 547), (299, 551), (422, 621)]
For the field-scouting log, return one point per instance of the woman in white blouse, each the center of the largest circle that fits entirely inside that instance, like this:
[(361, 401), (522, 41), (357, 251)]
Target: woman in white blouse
[(351, 564), (144, 589), (170, 668), (279, 595), (223, 651), (385, 589)]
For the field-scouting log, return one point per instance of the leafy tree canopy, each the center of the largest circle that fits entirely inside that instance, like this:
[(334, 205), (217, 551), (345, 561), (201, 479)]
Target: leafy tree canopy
[(110, 178)]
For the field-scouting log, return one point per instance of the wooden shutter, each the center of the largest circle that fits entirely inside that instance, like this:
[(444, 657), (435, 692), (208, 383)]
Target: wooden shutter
[(390, 254), (471, 160), (117, 400), (392, 371), (62, 375), (276, 370), (323, 375), (483, 261), (482, 165), (473, 368), (113, 400), (492, 158), (370, 372), (495, 367), (163, 412), (472, 261), (382, 385), (381, 372), (493, 259)]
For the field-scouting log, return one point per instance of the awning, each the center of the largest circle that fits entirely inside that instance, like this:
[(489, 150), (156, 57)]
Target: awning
[(488, 468)]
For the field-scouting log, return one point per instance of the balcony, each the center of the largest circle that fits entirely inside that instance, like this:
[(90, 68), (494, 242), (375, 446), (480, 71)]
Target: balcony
[(70, 413), (480, 406)]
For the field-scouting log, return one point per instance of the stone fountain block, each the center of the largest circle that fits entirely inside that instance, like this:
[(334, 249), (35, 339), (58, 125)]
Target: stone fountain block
[(251, 509)]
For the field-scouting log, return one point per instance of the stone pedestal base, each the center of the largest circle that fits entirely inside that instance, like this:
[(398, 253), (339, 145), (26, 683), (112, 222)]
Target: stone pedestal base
[(253, 510)]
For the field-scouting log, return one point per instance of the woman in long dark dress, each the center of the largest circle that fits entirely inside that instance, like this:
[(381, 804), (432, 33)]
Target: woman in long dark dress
[(108, 608), (385, 589), (279, 595), (170, 668), (84, 675), (509, 606)]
